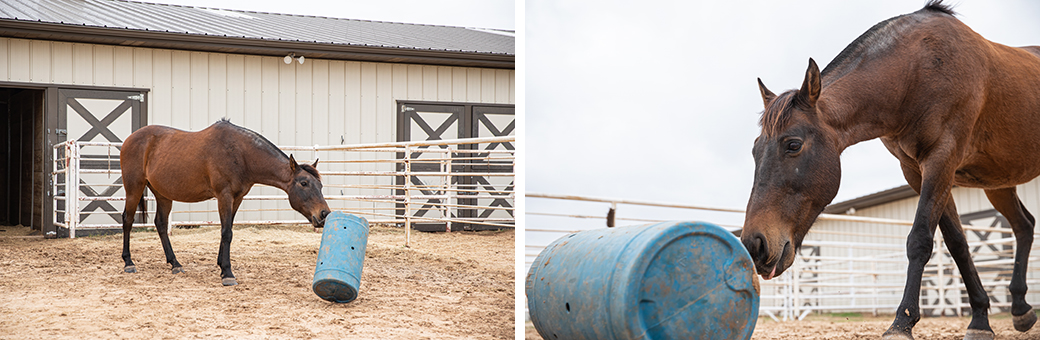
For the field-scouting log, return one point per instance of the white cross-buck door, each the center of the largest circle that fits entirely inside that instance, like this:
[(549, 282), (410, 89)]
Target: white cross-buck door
[(423, 121), (99, 116)]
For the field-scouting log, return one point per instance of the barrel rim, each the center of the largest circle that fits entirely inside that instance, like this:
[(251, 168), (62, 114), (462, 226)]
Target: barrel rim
[(628, 300), (621, 282), (340, 214), (351, 291)]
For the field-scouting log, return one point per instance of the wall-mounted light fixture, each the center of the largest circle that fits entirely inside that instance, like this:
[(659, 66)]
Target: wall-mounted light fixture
[(292, 55)]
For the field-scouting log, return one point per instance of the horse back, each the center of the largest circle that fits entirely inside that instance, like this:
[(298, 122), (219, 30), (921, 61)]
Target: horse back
[(947, 85), (1035, 50), (174, 163), (1004, 145), (139, 146)]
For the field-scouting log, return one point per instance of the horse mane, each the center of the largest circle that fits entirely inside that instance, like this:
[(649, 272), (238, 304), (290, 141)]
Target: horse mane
[(311, 170), (775, 117), (265, 144), (258, 139), (937, 5), (875, 40), (879, 37)]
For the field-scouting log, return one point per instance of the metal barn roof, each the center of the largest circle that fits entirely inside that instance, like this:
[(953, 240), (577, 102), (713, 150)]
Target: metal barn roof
[(878, 198), (120, 22)]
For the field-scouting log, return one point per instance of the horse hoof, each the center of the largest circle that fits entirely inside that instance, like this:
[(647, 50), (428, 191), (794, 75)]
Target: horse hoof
[(978, 334), (1025, 321), (130, 269), (229, 281), (178, 270), (896, 335)]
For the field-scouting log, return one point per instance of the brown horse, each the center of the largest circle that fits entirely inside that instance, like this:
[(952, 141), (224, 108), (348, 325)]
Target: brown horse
[(953, 107), (222, 161)]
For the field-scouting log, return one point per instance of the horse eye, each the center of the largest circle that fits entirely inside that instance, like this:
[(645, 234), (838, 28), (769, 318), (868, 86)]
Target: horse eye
[(794, 146), (303, 183)]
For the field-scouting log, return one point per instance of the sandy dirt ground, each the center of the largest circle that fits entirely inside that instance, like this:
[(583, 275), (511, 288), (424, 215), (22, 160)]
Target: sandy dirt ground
[(446, 286), (870, 327), (855, 326)]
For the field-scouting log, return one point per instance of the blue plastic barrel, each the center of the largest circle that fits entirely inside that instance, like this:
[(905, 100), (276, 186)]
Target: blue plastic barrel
[(671, 280), (337, 275)]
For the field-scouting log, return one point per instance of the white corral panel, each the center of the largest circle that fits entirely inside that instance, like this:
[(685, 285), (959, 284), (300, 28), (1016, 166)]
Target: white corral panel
[(968, 201)]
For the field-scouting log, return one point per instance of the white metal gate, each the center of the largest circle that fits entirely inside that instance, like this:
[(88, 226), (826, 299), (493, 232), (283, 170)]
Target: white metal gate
[(340, 194)]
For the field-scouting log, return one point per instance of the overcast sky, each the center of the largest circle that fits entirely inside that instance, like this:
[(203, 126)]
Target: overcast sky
[(498, 14), (657, 100)]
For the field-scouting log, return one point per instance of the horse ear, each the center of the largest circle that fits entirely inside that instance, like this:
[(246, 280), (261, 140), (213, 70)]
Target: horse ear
[(315, 165), (767, 95), (810, 90), (293, 166)]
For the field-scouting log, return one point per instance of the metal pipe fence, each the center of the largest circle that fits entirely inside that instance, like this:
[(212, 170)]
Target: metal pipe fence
[(440, 185), (830, 273)]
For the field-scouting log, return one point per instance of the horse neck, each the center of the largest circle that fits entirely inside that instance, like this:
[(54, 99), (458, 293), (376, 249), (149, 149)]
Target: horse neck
[(271, 170), (856, 114)]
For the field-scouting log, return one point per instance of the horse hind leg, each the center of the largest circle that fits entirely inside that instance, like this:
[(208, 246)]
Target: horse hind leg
[(1007, 203), (957, 243), (162, 226), (134, 196), (1027, 317)]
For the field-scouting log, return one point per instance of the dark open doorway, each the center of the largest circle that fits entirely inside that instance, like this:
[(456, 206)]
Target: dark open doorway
[(22, 157)]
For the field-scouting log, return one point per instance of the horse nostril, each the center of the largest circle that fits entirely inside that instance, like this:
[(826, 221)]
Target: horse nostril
[(756, 247), (762, 248), (751, 244), (325, 213)]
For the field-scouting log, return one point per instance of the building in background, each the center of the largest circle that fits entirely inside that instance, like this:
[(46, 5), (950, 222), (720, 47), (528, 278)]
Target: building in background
[(884, 244), (96, 70)]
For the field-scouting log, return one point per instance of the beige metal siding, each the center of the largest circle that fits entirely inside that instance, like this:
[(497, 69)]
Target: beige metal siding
[(318, 102), (61, 63), (41, 70), (968, 200), (20, 55)]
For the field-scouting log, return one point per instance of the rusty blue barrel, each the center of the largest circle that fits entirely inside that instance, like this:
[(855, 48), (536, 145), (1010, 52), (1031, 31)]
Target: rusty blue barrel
[(670, 280), (337, 276)]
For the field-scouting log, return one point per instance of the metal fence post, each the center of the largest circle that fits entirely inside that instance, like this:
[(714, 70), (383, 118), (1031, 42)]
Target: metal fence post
[(72, 188), (54, 185), (795, 287), (447, 164), (940, 269), (874, 275), (852, 279), (407, 196)]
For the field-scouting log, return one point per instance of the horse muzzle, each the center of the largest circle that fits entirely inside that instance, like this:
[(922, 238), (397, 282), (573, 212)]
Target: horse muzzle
[(319, 220), (766, 264)]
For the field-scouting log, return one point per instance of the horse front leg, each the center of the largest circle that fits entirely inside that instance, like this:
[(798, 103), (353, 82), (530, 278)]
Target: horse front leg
[(226, 206), (918, 251), (934, 189), (1007, 203), (957, 243)]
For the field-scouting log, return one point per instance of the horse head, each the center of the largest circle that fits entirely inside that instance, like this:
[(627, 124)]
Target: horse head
[(797, 171), (305, 192)]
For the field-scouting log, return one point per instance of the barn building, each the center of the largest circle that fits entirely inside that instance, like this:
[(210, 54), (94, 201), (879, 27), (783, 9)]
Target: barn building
[(879, 271), (96, 70)]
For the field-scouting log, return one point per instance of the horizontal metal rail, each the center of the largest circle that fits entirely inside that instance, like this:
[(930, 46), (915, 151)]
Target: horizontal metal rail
[(846, 275), (380, 181)]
